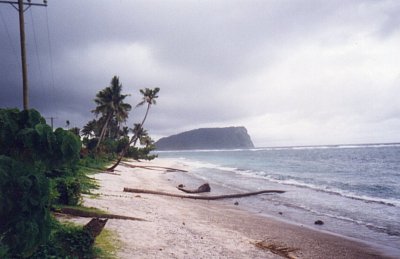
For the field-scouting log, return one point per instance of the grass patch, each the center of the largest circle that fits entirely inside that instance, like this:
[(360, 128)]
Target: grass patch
[(89, 166), (107, 245)]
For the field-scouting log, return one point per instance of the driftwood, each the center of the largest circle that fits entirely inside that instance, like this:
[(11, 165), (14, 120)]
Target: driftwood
[(153, 167), (281, 250), (202, 188), (92, 214), (195, 197)]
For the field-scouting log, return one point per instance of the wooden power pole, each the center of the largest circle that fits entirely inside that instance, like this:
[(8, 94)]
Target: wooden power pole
[(23, 54), (19, 6)]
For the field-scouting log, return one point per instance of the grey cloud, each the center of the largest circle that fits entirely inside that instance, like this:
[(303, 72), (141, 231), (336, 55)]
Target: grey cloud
[(215, 61)]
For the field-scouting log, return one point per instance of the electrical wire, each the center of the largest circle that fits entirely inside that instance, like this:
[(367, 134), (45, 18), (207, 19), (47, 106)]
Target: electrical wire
[(51, 63), (9, 37), (38, 59)]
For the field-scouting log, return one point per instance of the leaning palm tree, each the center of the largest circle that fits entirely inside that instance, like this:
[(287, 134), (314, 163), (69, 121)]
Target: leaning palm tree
[(149, 96), (110, 104)]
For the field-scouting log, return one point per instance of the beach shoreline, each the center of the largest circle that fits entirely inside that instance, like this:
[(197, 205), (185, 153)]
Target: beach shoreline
[(181, 228)]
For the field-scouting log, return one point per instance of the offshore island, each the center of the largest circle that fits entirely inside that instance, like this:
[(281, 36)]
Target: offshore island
[(207, 138)]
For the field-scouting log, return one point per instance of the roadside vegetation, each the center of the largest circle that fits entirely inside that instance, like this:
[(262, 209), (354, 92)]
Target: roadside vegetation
[(43, 170)]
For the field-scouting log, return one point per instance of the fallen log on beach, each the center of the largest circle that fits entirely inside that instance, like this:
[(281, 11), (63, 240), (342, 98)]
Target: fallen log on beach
[(154, 167), (202, 188), (196, 197)]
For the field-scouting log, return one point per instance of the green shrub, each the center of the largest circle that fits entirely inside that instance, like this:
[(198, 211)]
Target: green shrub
[(75, 241), (26, 137), (30, 153), (3, 249), (24, 207), (69, 191), (67, 241)]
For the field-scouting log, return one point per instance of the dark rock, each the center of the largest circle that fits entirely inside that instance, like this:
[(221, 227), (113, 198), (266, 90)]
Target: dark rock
[(280, 213), (236, 203), (207, 138), (319, 222)]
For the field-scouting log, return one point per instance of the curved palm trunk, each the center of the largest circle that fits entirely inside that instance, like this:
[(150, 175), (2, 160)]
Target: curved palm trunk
[(134, 140), (103, 130), (145, 116)]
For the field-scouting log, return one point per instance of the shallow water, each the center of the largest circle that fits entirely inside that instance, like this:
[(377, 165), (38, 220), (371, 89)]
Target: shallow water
[(354, 189)]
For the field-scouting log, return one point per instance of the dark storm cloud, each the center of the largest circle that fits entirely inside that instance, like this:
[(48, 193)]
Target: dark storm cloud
[(285, 69)]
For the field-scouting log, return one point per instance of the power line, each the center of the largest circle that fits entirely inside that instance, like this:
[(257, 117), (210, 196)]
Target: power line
[(37, 58), (9, 36), (19, 6), (51, 60)]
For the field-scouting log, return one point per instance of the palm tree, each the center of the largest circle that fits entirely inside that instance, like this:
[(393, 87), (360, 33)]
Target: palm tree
[(149, 96), (124, 131), (110, 103), (75, 130), (146, 141), (89, 129)]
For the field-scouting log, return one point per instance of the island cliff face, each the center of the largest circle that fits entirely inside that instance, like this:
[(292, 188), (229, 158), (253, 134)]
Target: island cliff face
[(207, 138)]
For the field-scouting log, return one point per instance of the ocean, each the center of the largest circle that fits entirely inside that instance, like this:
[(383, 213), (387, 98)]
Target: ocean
[(353, 189)]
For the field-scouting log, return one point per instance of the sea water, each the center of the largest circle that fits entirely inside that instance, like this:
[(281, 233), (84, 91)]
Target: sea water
[(353, 189)]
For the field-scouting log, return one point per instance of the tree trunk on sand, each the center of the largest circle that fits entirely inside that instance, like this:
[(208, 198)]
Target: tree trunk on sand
[(153, 167), (195, 197), (92, 214), (133, 140), (122, 154), (202, 188)]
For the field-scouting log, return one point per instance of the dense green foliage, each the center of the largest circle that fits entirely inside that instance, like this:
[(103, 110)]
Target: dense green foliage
[(24, 207), (26, 137), (66, 241), (33, 159)]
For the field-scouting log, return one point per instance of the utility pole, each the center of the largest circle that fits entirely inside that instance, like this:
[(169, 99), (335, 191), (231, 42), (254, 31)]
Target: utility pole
[(19, 6), (51, 121)]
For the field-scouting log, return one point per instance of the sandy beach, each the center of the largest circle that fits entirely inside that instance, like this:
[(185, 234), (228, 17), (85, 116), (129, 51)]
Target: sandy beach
[(182, 228)]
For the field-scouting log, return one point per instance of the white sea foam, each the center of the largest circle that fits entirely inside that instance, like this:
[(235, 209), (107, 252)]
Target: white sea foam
[(292, 182)]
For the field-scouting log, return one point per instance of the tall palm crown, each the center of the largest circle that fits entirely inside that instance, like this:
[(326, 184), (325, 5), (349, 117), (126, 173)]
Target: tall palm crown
[(110, 104), (110, 100), (149, 97)]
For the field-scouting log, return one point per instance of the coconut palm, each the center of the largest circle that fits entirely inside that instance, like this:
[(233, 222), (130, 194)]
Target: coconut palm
[(149, 96), (124, 131), (110, 104), (89, 129), (146, 141)]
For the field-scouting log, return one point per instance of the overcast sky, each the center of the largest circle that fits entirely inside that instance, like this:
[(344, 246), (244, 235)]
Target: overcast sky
[(292, 72)]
